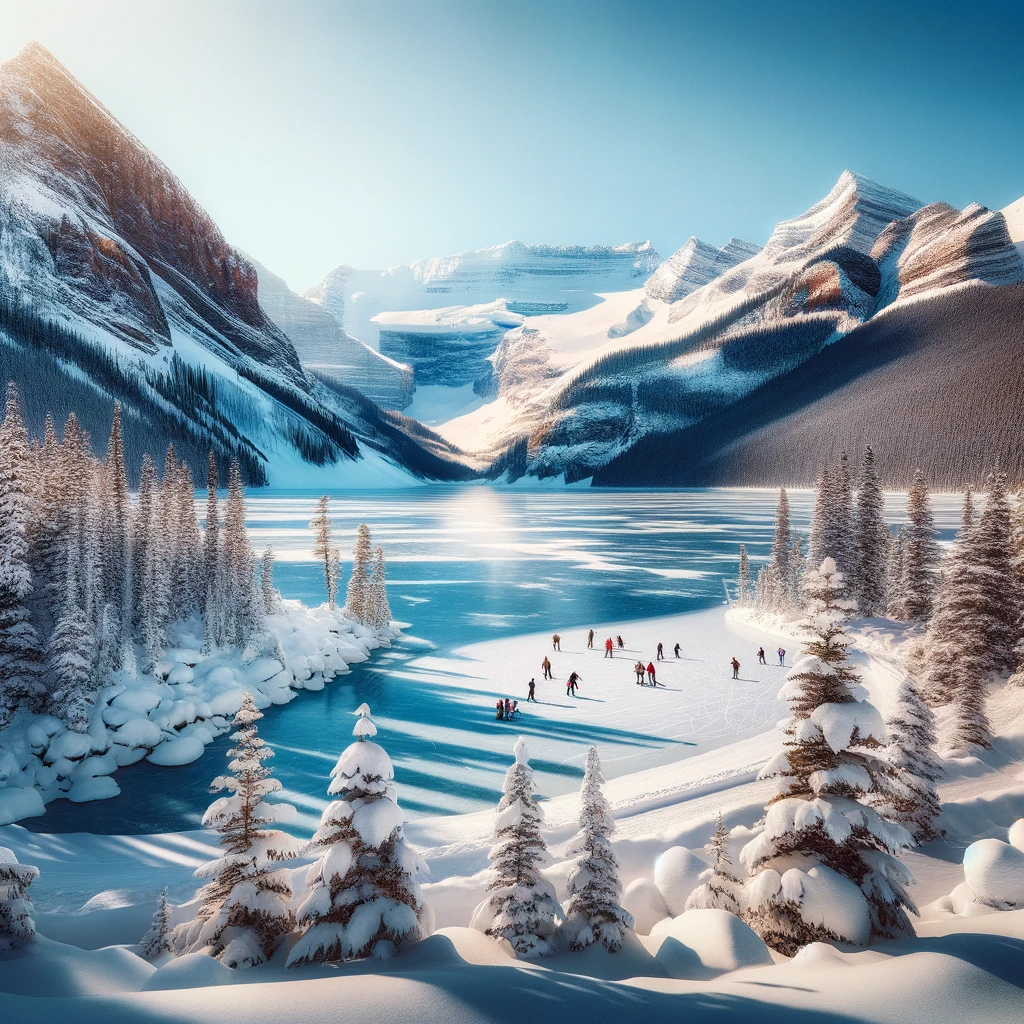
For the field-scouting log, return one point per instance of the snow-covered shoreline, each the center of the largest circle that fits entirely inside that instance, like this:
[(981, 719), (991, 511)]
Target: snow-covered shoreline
[(169, 716)]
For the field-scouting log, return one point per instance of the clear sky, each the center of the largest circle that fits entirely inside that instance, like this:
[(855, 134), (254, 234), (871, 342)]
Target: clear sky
[(319, 133)]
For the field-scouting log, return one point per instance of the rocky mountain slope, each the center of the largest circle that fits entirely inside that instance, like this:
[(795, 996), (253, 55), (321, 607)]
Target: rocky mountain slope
[(115, 284)]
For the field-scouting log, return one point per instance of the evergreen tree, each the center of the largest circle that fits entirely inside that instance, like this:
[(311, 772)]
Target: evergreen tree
[(520, 905), (364, 895), (872, 540), (20, 654), (896, 601), (157, 940), (839, 535), (142, 527), (271, 598), (359, 581), (245, 910), (820, 832), (594, 912), (117, 590), (778, 561), (797, 571), (324, 549), (819, 522), (241, 604), (210, 533), (743, 591), (378, 610), (17, 929), (720, 889), (920, 553), (70, 654), (914, 802)]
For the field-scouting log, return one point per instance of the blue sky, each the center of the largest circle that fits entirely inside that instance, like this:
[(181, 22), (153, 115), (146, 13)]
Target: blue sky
[(318, 133)]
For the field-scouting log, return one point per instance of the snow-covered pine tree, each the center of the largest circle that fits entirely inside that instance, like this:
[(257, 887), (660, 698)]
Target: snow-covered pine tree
[(271, 598), (211, 530), (364, 895), (913, 802), (820, 514), (117, 588), (720, 889), (896, 600), (70, 653), (240, 601), (45, 534), (246, 905), (323, 548), (520, 905), (778, 559), (872, 539), (155, 600), (378, 610), (743, 591), (187, 584), (142, 526), (17, 928), (920, 553), (594, 912), (840, 535), (21, 657), (797, 569), (158, 939), (824, 866), (359, 581)]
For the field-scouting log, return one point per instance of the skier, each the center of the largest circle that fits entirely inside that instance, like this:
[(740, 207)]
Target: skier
[(676, 649), (782, 655), (508, 708), (546, 666), (532, 685), (735, 668), (608, 648), (760, 656), (621, 642), (650, 673), (556, 643), (661, 653), (590, 640), (571, 685), (501, 710), (639, 669)]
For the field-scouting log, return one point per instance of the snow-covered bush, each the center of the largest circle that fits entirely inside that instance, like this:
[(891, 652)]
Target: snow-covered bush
[(521, 905), (720, 889), (824, 866), (245, 910), (16, 925), (158, 939), (364, 895), (593, 913), (994, 872)]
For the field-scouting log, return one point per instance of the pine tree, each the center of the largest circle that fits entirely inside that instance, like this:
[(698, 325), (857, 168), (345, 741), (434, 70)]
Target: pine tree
[(210, 532), (157, 940), (271, 598), (520, 905), (872, 540), (816, 552), (17, 929), (743, 591), (245, 910), (797, 570), (142, 527), (778, 561), (896, 601), (819, 829), (839, 535), (914, 802), (117, 588), (359, 581), (20, 653), (920, 553), (720, 889), (70, 654), (378, 610), (155, 600), (324, 549), (364, 895), (594, 912), (240, 602)]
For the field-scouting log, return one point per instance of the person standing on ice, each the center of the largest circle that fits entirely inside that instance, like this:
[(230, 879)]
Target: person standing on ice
[(676, 649), (639, 669), (546, 666), (609, 648), (572, 683), (590, 640), (650, 674), (661, 653), (735, 668), (532, 685), (621, 642), (556, 642), (782, 655), (760, 656)]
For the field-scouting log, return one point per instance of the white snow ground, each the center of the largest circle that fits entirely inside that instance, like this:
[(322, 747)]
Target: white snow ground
[(100, 891)]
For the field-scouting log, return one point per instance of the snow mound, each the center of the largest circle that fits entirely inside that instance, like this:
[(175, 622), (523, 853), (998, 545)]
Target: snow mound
[(1016, 836), (719, 940), (643, 899), (457, 947), (676, 874), (59, 970), (95, 788), (183, 750), (16, 804), (994, 871), (193, 970)]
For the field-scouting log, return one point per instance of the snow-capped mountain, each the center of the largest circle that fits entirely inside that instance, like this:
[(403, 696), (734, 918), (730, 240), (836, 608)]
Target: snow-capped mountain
[(696, 264), (116, 284)]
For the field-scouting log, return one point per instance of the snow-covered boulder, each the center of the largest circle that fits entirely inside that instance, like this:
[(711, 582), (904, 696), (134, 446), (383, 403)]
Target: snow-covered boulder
[(643, 899), (183, 750), (18, 803), (994, 871), (676, 874), (93, 788), (720, 940)]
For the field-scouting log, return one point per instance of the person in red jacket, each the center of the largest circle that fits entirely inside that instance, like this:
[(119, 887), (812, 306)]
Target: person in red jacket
[(650, 673), (609, 648)]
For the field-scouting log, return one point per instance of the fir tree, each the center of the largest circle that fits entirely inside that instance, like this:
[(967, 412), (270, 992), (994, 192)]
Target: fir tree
[(839, 537), (819, 829), (20, 653), (778, 561), (594, 912), (240, 603), (819, 522), (363, 897), (359, 581), (324, 549), (896, 601), (743, 591), (271, 598), (17, 929), (378, 610), (70, 654), (210, 532), (245, 910), (158, 940), (872, 540), (142, 527), (720, 889), (520, 905), (920, 553), (117, 590), (914, 802)]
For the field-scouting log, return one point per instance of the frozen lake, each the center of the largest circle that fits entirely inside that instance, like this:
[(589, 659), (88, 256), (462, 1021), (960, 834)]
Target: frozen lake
[(469, 565)]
